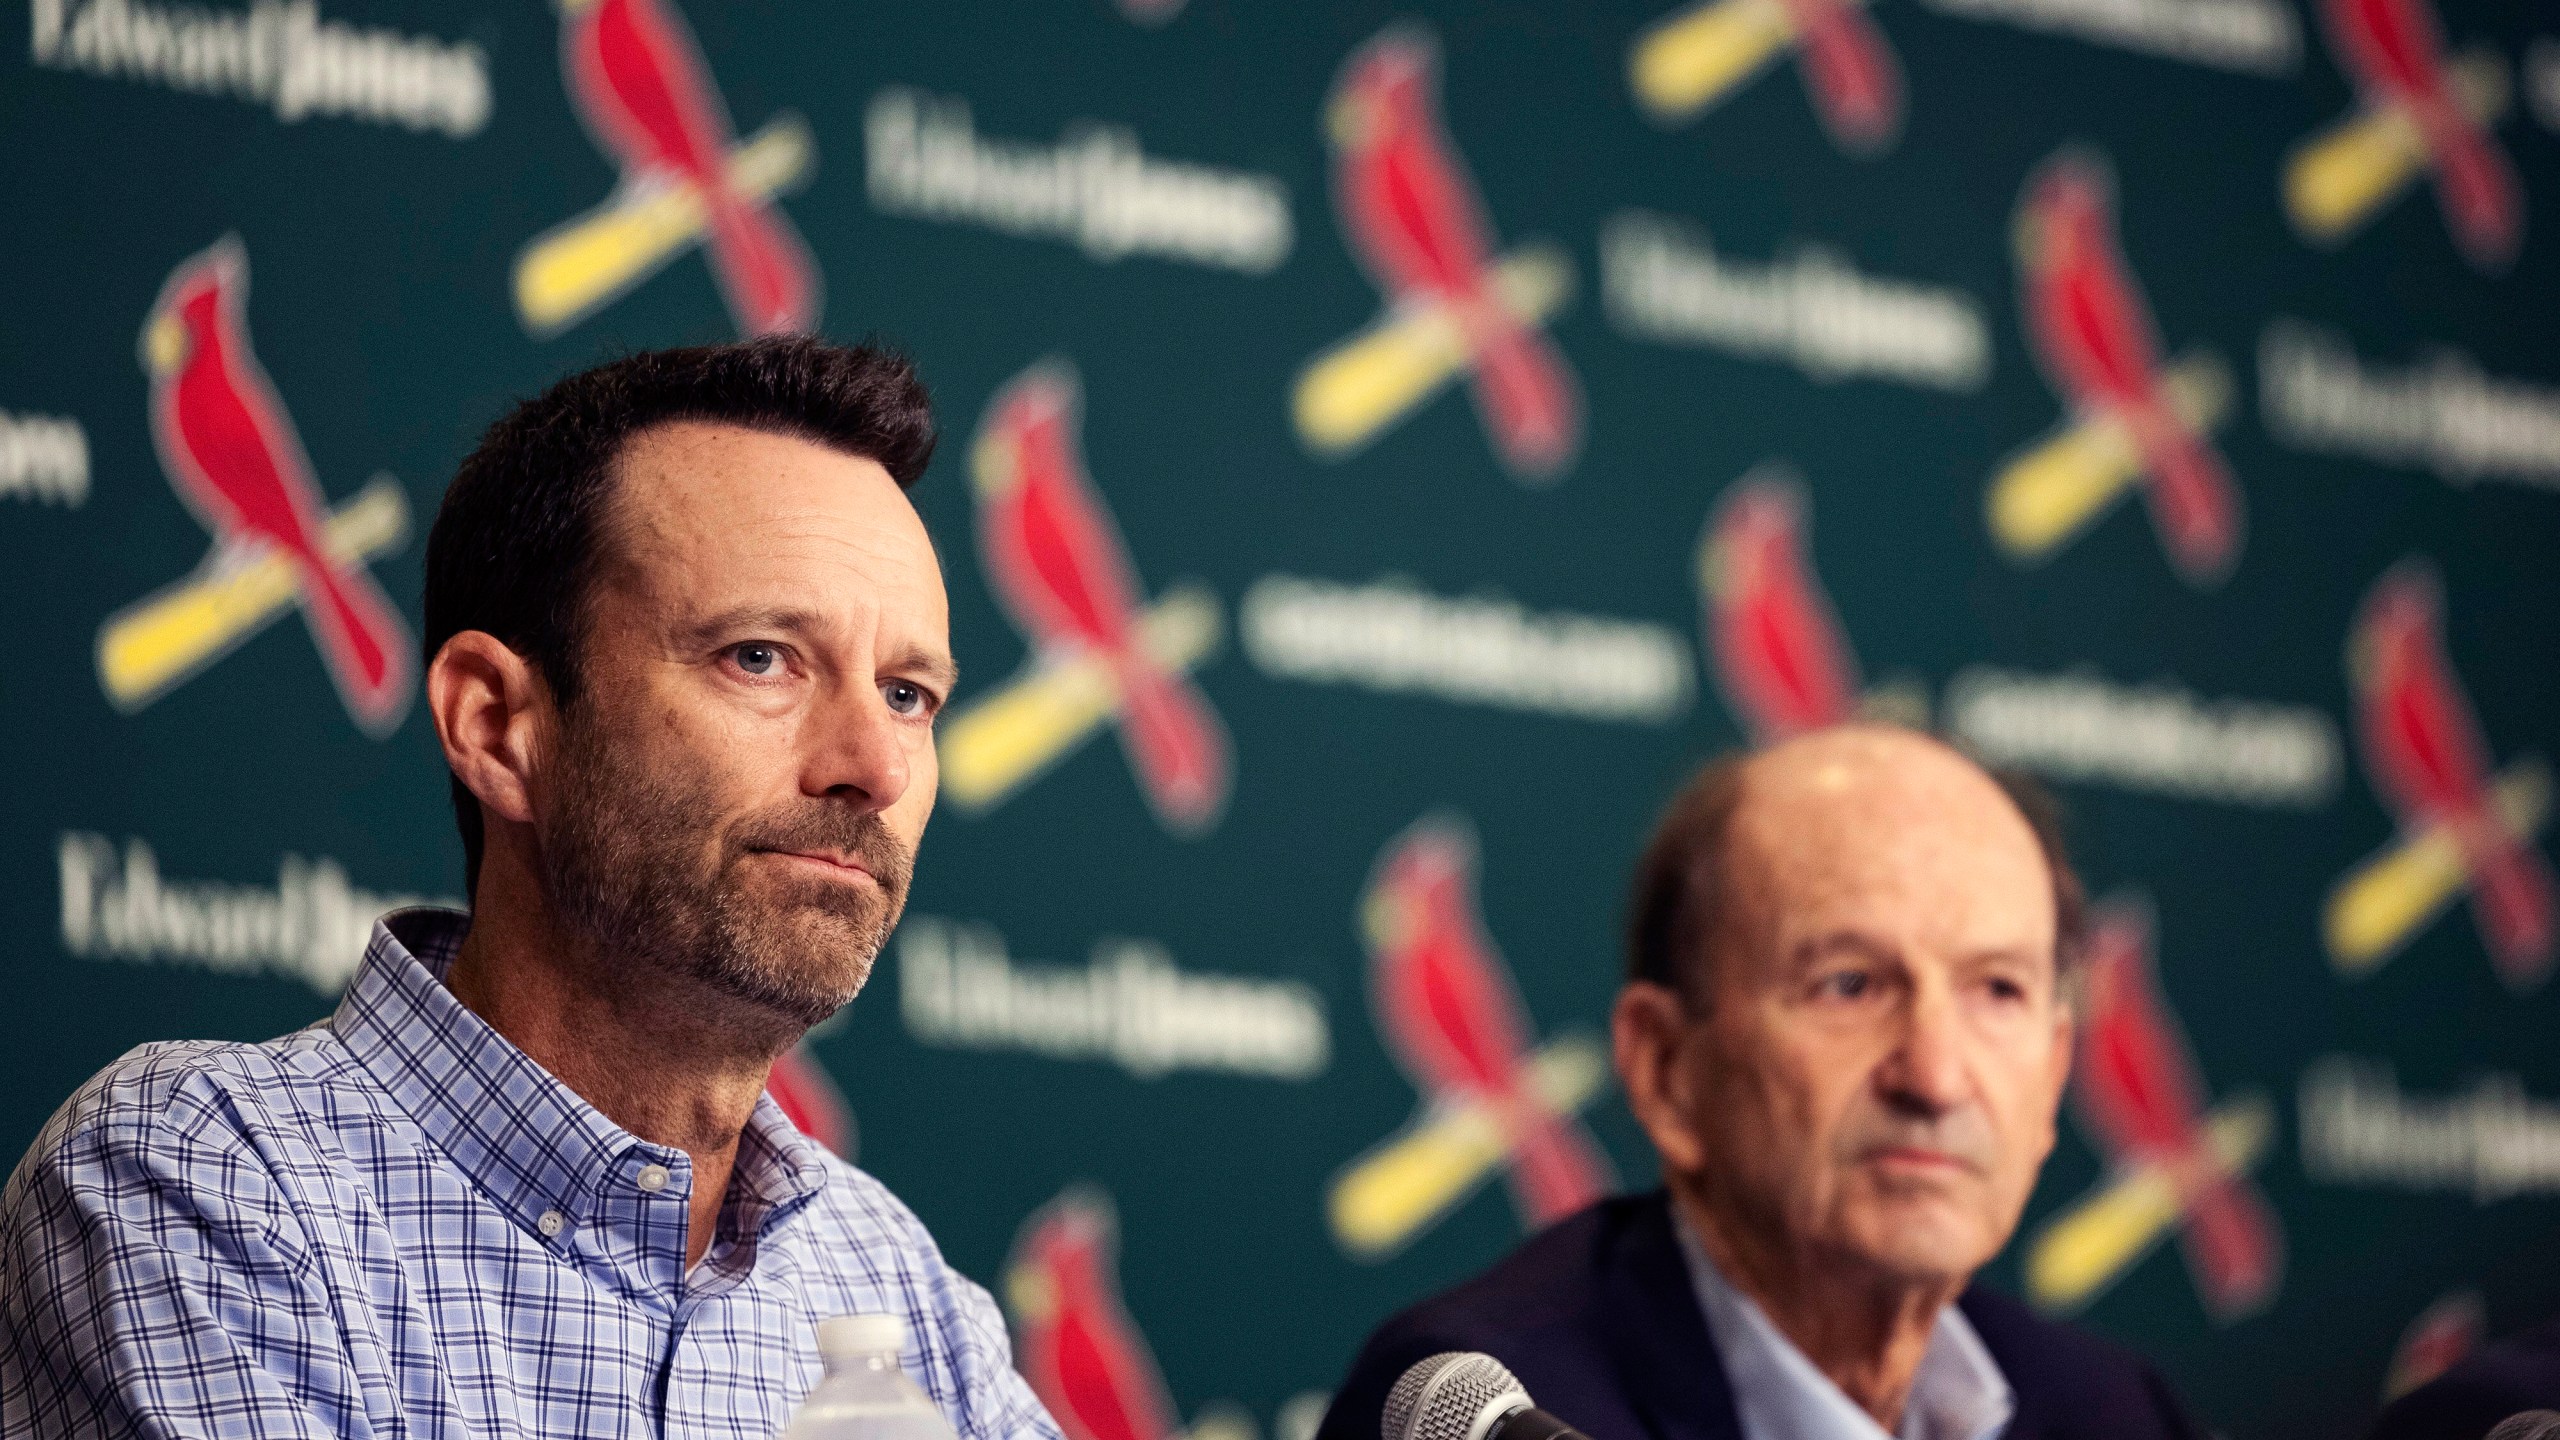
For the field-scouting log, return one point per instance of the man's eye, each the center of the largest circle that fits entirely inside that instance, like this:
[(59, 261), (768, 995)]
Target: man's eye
[(1844, 984), (758, 660), (905, 697)]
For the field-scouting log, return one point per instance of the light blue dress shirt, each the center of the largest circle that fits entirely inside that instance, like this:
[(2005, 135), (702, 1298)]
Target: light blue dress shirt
[(395, 1223), (1958, 1393)]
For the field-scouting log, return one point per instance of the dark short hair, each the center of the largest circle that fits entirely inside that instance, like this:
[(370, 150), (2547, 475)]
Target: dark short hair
[(1682, 880), (515, 544)]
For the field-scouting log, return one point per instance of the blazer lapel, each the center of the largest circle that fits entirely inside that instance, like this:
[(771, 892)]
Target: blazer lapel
[(1667, 1363), (2018, 1351)]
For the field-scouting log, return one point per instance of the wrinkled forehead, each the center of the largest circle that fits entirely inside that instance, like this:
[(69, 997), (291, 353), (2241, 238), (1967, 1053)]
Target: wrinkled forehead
[(1888, 833), (701, 513)]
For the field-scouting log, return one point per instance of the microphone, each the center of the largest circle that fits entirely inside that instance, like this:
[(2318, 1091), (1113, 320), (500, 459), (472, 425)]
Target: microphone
[(1462, 1395)]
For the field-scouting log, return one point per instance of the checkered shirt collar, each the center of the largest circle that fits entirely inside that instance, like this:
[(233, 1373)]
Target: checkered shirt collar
[(529, 1142)]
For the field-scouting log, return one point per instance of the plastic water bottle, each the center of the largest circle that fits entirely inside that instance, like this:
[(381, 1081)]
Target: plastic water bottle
[(864, 1395)]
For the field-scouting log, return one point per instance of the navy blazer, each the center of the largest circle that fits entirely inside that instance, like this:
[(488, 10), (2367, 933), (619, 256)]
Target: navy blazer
[(1597, 1317)]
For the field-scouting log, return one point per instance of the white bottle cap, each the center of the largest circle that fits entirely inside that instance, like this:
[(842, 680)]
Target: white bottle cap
[(851, 1335)]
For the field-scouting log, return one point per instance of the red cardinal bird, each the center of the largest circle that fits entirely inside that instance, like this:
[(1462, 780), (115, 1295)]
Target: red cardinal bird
[(1075, 1341), (2423, 748), (1059, 567), (811, 1101), (1780, 656), (1446, 1005), (2141, 1100), (639, 81), (2396, 53), (2093, 336), (2435, 1342), (1411, 212), (231, 452), (1850, 70)]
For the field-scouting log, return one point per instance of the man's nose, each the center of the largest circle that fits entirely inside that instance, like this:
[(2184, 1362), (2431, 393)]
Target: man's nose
[(1925, 1073), (858, 751)]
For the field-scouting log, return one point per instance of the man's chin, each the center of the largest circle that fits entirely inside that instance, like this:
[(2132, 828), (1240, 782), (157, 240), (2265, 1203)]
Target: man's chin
[(1923, 1244), (803, 967), (780, 1000)]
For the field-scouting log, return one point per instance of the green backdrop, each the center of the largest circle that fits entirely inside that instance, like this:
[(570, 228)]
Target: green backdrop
[(1400, 631)]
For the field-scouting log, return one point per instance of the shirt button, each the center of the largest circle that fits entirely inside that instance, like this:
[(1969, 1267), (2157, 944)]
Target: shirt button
[(551, 1223), (653, 1178)]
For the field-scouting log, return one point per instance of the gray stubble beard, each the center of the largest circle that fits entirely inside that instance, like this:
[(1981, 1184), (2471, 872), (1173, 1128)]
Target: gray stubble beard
[(620, 866)]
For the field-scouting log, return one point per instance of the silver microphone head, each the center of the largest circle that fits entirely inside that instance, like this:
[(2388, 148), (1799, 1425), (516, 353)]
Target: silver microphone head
[(1459, 1395)]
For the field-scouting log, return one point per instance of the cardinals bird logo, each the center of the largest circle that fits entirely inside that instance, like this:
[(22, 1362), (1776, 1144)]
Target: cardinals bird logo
[(1780, 656), (1074, 1340), (1693, 58), (231, 452), (1449, 1012), (2417, 111), (639, 82), (1058, 566), (2460, 828), (810, 1100), (1410, 212), (2093, 337), (2170, 1164)]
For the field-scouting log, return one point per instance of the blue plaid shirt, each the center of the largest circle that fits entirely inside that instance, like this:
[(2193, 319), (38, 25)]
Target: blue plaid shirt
[(395, 1223)]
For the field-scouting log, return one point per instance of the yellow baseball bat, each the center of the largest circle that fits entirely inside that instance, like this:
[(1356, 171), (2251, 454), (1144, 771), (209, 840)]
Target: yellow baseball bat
[(2378, 905), (2334, 181), (1689, 60), (1381, 1199), (2079, 1251), (994, 746), (571, 269), (2051, 492), (1351, 392), (1219, 1420), (148, 647)]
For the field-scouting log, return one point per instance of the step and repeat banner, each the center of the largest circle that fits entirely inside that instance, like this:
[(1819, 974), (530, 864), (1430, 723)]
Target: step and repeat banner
[(1500, 409)]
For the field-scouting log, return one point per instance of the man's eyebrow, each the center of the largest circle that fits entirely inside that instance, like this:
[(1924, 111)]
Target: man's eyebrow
[(2026, 955), (776, 619), (1816, 948), (933, 665)]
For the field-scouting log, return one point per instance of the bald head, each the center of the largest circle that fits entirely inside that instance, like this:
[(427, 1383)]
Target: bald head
[(1841, 808), (1860, 830), (1867, 765)]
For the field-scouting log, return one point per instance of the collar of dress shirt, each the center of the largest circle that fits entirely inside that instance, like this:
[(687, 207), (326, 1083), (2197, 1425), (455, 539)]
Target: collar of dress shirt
[(531, 1144), (1958, 1393)]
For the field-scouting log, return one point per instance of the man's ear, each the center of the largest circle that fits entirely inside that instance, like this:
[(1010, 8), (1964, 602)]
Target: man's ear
[(489, 707), (1649, 1032)]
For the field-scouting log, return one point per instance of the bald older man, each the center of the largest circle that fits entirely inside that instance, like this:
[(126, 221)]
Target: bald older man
[(1845, 1028)]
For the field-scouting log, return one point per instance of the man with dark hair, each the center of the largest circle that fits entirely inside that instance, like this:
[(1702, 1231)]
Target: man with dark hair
[(686, 639), (1845, 1028)]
